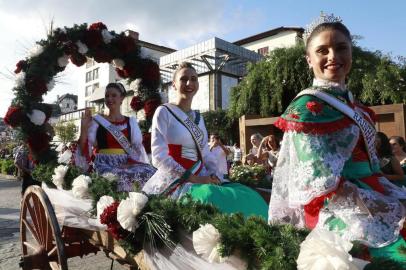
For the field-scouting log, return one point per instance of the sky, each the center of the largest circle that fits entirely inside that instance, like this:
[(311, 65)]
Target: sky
[(178, 24)]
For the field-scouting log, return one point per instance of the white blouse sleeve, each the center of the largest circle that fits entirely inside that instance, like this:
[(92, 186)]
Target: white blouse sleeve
[(209, 159), (91, 136), (159, 144), (136, 141)]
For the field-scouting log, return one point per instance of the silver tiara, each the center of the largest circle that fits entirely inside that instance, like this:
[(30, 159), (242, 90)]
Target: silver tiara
[(323, 18)]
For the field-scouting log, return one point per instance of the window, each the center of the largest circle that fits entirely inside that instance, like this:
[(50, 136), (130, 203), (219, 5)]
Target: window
[(94, 87), (263, 51), (95, 73), (67, 105), (88, 76), (88, 91)]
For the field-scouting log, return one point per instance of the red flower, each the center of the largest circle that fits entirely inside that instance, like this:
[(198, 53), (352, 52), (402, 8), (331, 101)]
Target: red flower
[(146, 141), (102, 56), (127, 71), (97, 26), (22, 64), (109, 214), (78, 59), (293, 116), (14, 116), (36, 86), (150, 107), (314, 106), (93, 38), (136, 103), (126, 44), (109, 218), (38, 142), (150, 72)]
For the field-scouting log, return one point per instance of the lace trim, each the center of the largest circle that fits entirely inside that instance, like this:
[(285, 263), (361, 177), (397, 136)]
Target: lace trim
[(313, 128)]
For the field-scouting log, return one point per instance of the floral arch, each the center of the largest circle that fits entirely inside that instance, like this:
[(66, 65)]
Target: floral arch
[(50, 56)]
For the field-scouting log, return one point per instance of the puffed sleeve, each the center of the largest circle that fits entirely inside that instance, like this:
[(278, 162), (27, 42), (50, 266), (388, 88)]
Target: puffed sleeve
[(159, 144), (210, 161), (136, 142)]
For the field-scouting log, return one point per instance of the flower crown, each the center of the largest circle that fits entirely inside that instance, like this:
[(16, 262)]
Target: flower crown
[(323, 18)]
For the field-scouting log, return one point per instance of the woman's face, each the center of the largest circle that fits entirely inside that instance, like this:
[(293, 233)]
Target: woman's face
[(113, 98), (186, 83), (330, 56), (254, 140), (395, 146)]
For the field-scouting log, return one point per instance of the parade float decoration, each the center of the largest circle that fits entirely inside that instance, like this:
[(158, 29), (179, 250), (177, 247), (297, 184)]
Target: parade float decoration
[(132, 218)]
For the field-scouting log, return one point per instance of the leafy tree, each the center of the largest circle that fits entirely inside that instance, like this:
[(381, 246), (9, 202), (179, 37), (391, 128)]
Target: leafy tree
[(66, 131), (271, 84), (218, 122)]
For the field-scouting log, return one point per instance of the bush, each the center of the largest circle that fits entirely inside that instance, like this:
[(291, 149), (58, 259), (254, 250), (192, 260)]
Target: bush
[(7, 166), (254, 176)]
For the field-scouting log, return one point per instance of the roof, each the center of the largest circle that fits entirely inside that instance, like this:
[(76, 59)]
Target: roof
[(155, 47), (268, 33), (71, 96)]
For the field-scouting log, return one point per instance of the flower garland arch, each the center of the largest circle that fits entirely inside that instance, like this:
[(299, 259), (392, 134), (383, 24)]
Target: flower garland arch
[(35, 74)]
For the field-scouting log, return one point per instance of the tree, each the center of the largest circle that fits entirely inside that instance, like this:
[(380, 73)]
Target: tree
[(272, 83), (218, 122), (66, 131)]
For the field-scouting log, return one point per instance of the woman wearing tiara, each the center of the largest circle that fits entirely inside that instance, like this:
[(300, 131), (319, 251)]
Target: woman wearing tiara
[(116, 141), (181, 154), (327, 175)]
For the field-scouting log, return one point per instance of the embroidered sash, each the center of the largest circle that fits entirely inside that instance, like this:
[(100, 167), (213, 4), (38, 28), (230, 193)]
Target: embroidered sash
[(193, 128), (117, 134), (367, 129)]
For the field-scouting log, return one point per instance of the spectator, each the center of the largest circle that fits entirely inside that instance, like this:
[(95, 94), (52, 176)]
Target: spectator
[(237, 154), (390, 166), (269, 150), (398, 145), (24, 168), (220, 152), (255, 141)]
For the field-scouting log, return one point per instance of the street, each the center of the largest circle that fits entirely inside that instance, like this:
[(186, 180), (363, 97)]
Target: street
[(9, 234)]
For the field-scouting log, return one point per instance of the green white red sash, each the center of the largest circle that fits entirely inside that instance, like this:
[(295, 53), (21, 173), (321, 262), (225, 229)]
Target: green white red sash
[(367, 129)]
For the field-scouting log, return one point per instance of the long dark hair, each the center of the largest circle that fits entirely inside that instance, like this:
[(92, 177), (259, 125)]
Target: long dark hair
[(328, 26), (400, 141), (384, 149)]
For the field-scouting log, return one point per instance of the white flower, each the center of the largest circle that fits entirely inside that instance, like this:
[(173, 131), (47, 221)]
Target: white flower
[(20, 79), (51, 84), (59, 174), (37, 117), (141, 115), (63, 61), (118, 63), (35, 51), (110, 176), (104, 202), (107, 36), (80, 186), (323, 249), (128, 210), (65, 157), (206, 241), (135, 86), (82, 48)]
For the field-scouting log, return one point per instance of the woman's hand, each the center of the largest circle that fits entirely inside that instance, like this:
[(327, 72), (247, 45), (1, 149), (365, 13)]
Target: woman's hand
[(204, 179), (86, 119)]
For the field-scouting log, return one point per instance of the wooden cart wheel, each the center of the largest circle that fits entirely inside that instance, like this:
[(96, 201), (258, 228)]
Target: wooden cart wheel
[(41, 241)]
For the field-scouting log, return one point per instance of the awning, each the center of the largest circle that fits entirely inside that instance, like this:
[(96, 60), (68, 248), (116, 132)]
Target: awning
[(98, 94)]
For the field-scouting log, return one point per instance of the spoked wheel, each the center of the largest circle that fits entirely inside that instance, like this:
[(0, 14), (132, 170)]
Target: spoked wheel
[(41, 241)]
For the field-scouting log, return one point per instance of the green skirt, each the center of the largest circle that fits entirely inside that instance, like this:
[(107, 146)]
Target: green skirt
[(231, 198), (395, 251)]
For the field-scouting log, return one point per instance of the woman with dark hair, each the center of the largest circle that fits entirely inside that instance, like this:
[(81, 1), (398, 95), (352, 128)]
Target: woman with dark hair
[(398, 145), (389, 165), (328, 176), (117, 142)]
